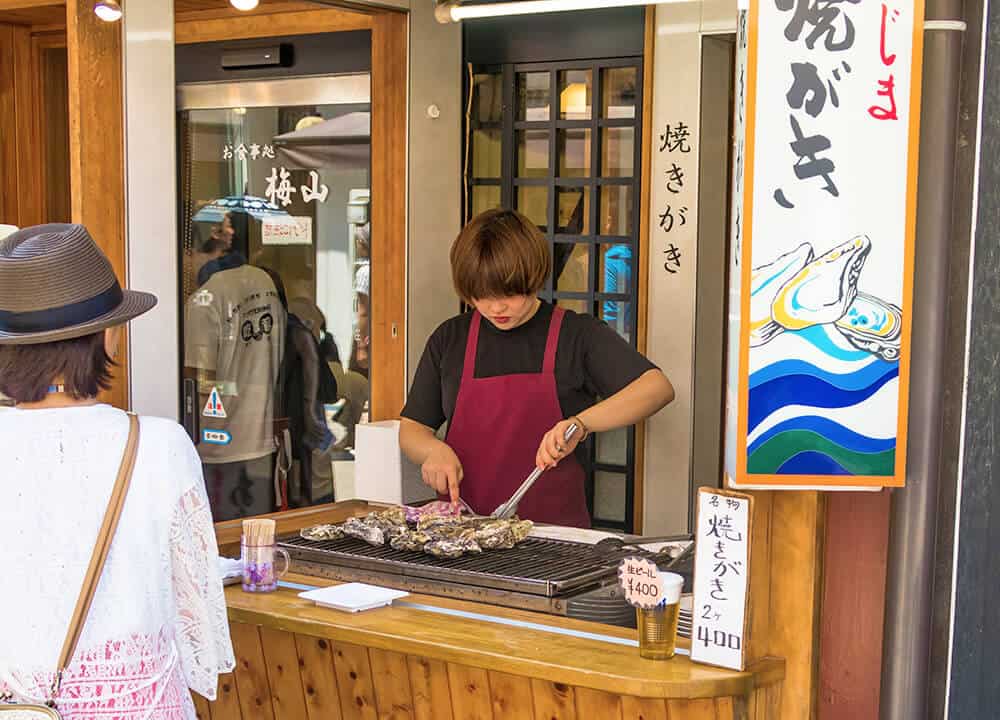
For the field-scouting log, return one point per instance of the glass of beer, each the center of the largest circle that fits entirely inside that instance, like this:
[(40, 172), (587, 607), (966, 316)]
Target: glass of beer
[(658, 626)]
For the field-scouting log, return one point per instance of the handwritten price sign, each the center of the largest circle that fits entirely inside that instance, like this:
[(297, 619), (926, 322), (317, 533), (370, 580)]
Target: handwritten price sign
[(641, 581)]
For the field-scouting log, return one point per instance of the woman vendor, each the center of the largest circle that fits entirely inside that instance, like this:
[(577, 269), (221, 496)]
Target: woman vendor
[(513, 376)]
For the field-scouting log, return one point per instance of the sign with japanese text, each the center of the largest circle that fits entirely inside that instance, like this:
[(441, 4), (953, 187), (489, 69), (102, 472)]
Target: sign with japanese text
[(721, 578), (640, 580), (828, 97), (286, 230)]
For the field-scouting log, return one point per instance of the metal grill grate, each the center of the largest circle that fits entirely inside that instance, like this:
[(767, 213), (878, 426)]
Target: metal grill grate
[(538, 566)]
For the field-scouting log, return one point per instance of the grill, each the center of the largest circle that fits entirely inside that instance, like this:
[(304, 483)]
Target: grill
[(540, 574)]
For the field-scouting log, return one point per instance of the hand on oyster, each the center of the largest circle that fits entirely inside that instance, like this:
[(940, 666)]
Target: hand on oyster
[(437, 529)]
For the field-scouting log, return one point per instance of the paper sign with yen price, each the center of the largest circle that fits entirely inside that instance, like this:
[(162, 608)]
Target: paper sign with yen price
[(721, 578), (641, 581)]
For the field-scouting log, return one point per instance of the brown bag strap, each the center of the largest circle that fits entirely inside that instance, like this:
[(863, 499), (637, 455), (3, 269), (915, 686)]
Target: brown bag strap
[(103, 546)]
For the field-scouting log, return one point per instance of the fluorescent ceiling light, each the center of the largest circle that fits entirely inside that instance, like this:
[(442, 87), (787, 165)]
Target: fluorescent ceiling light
[(451, 11), (244, 4), (108, 10)]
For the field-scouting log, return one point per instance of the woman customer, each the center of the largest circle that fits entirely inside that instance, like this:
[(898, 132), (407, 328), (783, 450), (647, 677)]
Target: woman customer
[(513, 376), (157, 625)]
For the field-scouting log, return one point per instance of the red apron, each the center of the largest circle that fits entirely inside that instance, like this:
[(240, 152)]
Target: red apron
[(496, 429)]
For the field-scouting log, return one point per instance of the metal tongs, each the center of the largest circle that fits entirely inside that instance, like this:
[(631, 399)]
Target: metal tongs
[(505, 510)]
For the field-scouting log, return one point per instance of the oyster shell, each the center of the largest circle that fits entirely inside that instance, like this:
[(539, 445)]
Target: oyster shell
[(822, 291), (362, 530), (412, 540), (322, 532), (873, 325)]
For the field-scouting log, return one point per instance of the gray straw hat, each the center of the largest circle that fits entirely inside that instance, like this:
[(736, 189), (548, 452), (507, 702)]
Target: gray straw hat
[(56, 284)]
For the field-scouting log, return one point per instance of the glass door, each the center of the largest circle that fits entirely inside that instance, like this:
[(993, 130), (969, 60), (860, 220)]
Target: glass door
[(274, 193)]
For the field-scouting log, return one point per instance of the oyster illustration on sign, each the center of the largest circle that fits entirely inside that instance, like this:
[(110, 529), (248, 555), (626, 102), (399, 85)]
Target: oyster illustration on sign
[(873, 325), (766, 282), (823, 290)]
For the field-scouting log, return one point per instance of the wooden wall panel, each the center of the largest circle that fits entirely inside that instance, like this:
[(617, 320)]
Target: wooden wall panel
[(281, 659), (319, 681), (252, 686), (391, 677), (644, 709), (227, 703), (512, 698), (20, 145), (354, 681), (388, 215), (201, 707), (856, 556), (431, 692), (470, 693), (553, 701), (96, 144), (227, 23), (594, 703)]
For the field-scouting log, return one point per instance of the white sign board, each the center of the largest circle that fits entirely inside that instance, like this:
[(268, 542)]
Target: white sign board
[(286, 230), (721, 578), (827, 122)]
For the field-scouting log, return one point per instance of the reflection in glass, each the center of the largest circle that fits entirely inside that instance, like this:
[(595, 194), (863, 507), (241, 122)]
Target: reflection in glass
[(533, 91), (615, 269), (533, 203), (619, 92), (572, 267), (487, 98), (578, 306), (575, 94), (275, 283), (617, 315), (617, 152), (574, 152), (486, 153), (573, 211), (609, 496), (485, 197), (612, 447), (616, 210), (532, 153)]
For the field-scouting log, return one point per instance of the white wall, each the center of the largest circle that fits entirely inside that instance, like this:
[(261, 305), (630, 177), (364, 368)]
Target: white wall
[(151, 206), (672, 296)]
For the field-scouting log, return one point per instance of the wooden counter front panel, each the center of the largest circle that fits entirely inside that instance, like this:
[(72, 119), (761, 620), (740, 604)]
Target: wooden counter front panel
[(286, 676)]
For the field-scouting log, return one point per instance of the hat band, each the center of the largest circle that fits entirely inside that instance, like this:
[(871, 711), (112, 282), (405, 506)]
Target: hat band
[(57, 318)]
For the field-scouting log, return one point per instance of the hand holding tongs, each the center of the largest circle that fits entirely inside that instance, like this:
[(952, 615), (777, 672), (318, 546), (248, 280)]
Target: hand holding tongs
[(505, 510)]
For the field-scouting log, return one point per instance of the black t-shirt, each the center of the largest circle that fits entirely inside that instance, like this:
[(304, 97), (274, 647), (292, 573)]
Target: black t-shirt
[(592, 361)]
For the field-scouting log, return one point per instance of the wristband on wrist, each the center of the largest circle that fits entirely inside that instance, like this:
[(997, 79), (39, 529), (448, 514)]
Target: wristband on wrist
[(582, 426)]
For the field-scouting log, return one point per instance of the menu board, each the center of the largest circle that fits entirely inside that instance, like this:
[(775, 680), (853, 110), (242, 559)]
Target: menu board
[(721, 578)]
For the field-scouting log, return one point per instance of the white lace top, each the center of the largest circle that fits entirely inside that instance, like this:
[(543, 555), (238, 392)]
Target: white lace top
[(157, 626)]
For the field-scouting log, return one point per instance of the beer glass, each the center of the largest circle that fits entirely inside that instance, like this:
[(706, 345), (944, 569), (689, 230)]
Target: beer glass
[(658, 626)]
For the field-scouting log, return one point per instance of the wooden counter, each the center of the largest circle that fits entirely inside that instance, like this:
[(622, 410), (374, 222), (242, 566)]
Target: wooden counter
[(298, 661)]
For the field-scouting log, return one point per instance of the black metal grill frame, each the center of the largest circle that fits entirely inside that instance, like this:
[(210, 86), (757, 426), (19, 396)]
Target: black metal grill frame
[(537, 566)]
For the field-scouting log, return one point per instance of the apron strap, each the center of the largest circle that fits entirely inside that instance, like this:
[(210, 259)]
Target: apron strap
[(555, 323), (469, 367)]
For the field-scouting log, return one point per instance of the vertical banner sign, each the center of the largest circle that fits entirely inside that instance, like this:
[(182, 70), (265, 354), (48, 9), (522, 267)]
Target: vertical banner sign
[(721, 578), (828, 98)]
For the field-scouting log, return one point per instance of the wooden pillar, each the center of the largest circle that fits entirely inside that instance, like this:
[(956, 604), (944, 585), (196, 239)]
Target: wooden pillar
[(20, 146), (388, 213), (96, 144)]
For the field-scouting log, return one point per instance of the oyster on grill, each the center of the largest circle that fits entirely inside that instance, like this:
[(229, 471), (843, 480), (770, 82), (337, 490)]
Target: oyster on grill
[(412, 540), (501, 534), (451, 541), (322, 532), (363, 530)]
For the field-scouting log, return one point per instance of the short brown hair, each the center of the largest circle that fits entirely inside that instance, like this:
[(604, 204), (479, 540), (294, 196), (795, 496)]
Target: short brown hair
[(27, 371), (500, 253)]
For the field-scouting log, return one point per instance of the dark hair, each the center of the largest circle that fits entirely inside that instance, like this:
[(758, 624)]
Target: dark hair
[(500, 253), (27, 371), (240, 220)]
